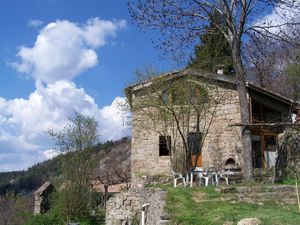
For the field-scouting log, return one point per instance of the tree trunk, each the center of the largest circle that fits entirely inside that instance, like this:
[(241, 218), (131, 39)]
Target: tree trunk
[(245, 112)]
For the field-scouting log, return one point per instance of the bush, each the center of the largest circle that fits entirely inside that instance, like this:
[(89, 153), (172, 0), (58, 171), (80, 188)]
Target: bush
[(45, 219)]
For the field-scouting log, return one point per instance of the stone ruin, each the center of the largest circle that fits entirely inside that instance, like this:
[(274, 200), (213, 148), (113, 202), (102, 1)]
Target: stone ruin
[(41, 198)]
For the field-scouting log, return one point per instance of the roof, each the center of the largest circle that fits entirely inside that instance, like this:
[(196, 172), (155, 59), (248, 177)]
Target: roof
[(270, 93), (181, 73), (217, 77)]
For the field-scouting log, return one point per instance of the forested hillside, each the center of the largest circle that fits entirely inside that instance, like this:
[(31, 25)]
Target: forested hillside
[(35, 176)]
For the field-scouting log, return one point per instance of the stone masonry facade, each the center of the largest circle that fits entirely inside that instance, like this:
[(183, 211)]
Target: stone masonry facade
[(221, 143)]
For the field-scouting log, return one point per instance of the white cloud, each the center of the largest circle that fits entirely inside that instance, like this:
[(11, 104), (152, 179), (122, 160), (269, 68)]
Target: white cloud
[(50, 153), (281, 15), (24, 121), (64, 49), (112, 121), (34, 23)]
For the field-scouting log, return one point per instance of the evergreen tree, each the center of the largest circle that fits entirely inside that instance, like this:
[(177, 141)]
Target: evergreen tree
[(213, 51)]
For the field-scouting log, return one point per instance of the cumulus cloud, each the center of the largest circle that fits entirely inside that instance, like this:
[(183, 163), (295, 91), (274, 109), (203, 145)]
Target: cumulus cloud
[(24, 121), (113, 117), (64, 49), (281, 19), (34, 23)]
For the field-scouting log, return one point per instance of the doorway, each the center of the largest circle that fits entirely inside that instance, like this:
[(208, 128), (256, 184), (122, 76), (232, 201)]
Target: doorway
[(264, 149), (194, 144)]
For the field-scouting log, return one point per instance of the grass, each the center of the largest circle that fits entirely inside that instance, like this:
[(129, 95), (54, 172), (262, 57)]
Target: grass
[(202, 206)]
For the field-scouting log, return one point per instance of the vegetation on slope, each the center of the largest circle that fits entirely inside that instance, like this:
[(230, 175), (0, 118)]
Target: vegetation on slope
[(35, 176)]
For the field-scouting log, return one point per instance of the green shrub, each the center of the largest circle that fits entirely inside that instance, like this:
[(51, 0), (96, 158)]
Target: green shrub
[(45, 219)]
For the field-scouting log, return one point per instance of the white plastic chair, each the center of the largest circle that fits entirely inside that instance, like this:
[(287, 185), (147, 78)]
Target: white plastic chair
[(204, 176), (176, 177), (225, 176)]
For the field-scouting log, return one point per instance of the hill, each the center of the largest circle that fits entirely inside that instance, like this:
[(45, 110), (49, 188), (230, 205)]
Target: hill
[(110, 154)]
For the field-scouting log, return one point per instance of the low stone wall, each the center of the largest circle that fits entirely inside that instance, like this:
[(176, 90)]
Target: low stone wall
[(125, 207)]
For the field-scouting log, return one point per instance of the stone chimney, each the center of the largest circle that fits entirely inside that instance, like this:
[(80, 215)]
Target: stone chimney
[(220, 69)]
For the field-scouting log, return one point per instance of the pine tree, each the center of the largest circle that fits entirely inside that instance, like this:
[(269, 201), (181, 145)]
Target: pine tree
[(213, 51)]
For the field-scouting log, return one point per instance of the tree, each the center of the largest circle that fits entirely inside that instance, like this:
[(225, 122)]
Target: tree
[(76, 140), (181, 22), (213, 51), (263, 63), (7, 208), (293, 72)]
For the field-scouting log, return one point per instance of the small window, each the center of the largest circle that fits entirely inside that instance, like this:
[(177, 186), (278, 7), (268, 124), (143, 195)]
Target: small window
[(165, 96), (194, 95), (164, 145), (176, 98), (198, 95)]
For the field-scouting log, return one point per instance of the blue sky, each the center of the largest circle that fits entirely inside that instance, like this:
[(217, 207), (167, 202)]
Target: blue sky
[(58, 57)]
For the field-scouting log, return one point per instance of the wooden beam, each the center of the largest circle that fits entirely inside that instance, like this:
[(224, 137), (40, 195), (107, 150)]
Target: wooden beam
[(264, 124)]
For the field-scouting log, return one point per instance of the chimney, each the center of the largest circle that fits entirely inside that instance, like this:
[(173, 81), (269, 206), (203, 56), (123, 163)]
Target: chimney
[(220, 69)]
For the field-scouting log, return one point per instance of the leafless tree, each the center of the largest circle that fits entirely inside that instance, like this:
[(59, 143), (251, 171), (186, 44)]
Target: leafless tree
[(7, 208), (263, 63), (111, 177), (181, 22)]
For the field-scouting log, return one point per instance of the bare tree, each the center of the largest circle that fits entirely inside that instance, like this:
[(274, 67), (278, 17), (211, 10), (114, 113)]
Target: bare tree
[(110, 177), (263, 63), (7, 208), (181, 22)]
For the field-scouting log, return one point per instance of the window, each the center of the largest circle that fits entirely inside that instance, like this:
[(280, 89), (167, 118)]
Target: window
[(194, 95), (176, 99), (165, 96), (198, 95), (164, 145)]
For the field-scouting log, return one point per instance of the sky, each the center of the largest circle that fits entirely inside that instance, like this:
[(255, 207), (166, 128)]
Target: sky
[(58, 57), (62, 56)]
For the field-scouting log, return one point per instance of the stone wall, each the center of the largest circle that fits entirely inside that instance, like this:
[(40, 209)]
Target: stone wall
[(288, 161), (125, 207), (222, 141), (41, 198)]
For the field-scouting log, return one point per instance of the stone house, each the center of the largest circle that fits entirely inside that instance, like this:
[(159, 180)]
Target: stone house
[(222, 145)]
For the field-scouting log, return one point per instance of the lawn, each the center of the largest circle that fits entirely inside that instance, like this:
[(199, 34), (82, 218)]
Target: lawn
[(204, 206)]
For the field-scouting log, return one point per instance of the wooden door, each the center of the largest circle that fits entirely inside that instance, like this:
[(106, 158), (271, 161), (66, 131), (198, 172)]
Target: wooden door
[(199, 160)]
